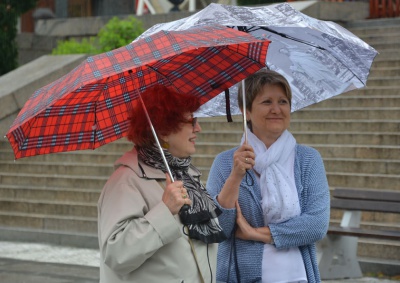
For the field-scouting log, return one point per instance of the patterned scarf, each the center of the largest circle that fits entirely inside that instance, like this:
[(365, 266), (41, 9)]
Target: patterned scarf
[(201, 217)]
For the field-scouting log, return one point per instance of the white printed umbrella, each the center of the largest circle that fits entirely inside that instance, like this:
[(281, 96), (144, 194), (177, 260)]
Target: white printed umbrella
[(320, 59)]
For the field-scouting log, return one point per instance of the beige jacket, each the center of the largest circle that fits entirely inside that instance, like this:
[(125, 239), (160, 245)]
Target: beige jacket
[(140, 240)]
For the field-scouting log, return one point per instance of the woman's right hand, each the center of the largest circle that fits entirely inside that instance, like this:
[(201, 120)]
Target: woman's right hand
[(243, 159), (175, 195)]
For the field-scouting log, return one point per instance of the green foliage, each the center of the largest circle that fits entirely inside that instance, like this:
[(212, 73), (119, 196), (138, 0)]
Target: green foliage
[(10, 10), (72, 46), (116, 33)]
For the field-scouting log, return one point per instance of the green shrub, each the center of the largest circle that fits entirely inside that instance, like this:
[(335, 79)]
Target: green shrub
[(72, 46), (116, 33)]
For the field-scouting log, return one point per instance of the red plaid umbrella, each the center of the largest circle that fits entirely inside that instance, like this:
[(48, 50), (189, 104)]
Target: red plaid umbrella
[(89, 106)]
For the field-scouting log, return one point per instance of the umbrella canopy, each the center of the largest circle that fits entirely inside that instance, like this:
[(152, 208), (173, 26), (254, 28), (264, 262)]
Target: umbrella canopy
[(89, 106), (320, 59)]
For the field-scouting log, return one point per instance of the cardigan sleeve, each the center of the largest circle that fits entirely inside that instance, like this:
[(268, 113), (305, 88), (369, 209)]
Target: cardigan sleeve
[(219, 172), (312, 224)]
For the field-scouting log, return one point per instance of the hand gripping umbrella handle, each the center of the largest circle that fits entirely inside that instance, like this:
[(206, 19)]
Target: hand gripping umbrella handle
[(185, 207)]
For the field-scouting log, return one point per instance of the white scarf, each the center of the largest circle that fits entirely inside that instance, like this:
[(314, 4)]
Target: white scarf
[(276, 166)]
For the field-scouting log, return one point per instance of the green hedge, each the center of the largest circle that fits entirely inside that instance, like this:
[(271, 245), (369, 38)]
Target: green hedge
[(116, 33)]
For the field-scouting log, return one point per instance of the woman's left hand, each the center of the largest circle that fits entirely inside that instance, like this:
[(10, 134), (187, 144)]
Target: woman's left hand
[(246, 232)]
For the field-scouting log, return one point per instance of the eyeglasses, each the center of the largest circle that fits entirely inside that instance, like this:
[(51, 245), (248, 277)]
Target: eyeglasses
[(193, 121)]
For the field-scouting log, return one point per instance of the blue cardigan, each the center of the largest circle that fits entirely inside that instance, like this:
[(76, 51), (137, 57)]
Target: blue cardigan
[(301, 231)]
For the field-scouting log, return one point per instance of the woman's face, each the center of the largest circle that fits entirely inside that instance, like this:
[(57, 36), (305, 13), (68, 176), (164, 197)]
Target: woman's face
[(182, 143), (270, 114)]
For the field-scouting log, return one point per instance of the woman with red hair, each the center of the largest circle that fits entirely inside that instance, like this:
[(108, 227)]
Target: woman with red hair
[(144, 235)]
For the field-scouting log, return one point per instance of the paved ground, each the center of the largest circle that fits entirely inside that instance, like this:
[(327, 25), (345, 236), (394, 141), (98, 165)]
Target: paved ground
[(39, 263)]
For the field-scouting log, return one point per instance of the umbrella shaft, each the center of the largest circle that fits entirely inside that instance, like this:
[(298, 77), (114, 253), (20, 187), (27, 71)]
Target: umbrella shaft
[(156, 139), (244, 112)]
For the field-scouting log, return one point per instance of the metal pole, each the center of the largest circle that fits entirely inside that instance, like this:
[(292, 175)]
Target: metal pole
[(244, 113), (156, 138)]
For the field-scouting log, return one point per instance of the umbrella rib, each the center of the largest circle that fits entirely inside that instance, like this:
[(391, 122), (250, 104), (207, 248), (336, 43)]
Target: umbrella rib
[(166, 78), (292, 38)]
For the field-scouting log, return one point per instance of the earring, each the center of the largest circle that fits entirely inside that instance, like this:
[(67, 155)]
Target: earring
[(164, 144)]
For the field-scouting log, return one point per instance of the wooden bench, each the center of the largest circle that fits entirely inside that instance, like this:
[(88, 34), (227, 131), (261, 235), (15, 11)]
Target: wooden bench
[(337, 252)]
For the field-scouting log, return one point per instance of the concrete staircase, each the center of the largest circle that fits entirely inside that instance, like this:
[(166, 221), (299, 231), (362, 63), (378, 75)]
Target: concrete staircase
[(52, 198)]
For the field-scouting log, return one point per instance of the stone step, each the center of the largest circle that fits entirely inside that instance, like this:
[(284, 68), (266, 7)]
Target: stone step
[(351, 99), (366, 166), (383, 81), (384, 73), (354, 113), (345, 125), (43, 222), (390, 43), (56, 168), (372, 34), (373, 91), (374, 30), (325, 110), (313, 137), (98, 156), (372, 38), (379, 266), (389, 221), (379, 249), (390, 152), (381, 25), (370, 166), (388, 54), (363, 180), (385, 61), (58, 181), (345, 179), (37, 193), (211, 124), (54, 208), (59, 238)]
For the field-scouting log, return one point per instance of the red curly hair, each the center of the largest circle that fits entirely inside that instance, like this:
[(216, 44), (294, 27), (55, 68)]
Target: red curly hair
[(167, 110)]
